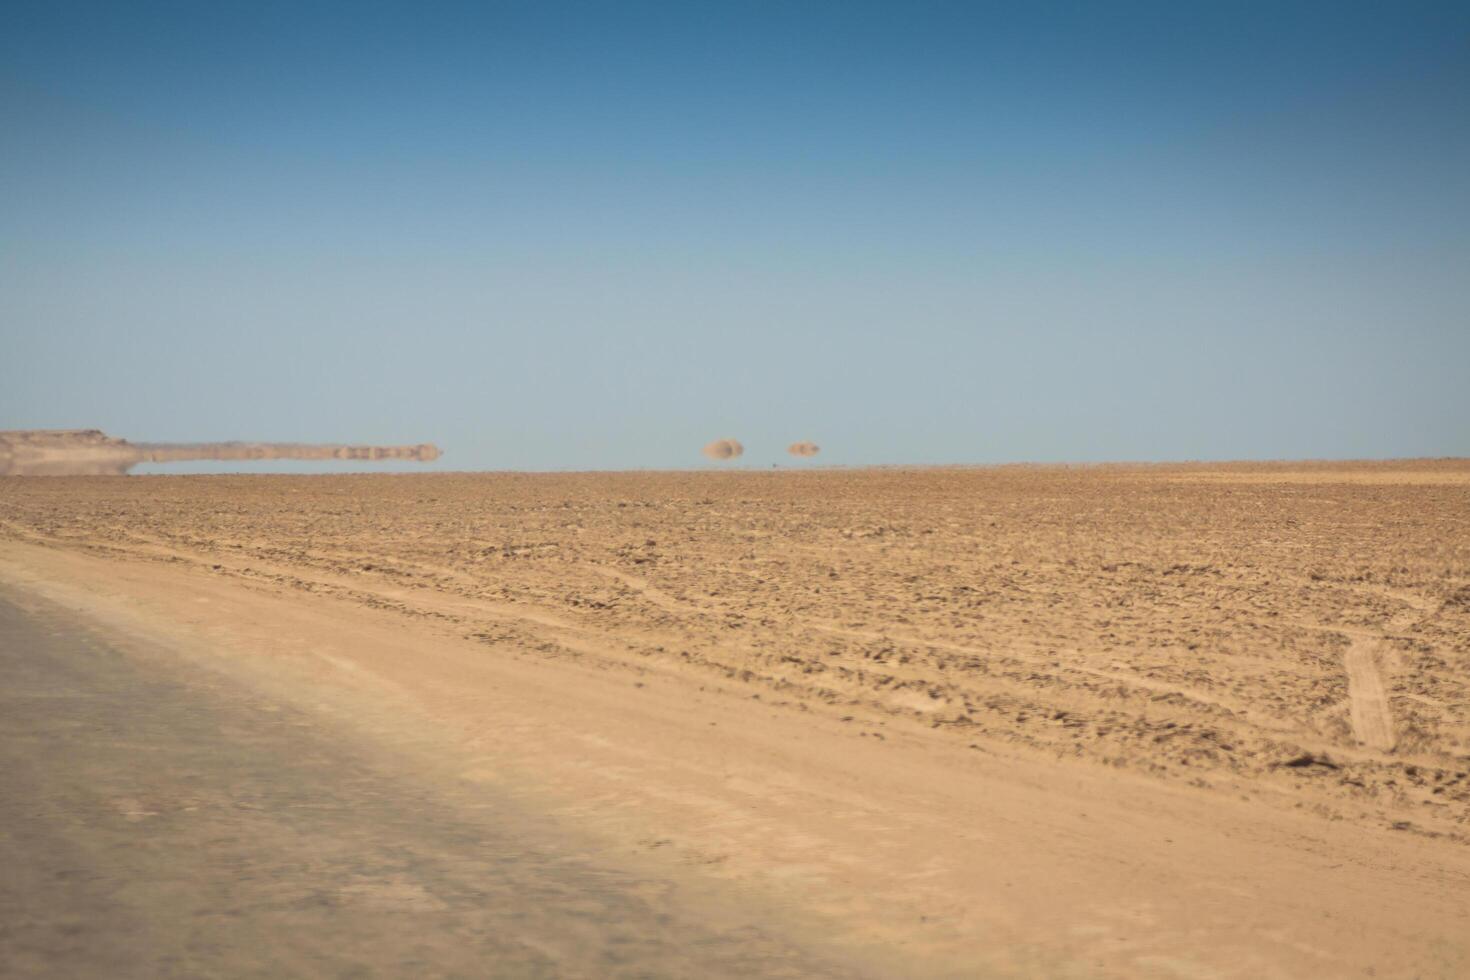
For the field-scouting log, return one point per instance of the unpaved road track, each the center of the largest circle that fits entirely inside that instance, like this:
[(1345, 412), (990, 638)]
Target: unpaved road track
[(158, 822), (1370, 712)]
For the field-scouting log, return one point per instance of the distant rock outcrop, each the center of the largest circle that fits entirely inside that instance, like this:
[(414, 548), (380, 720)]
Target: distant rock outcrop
[(724, 449), (91, 452)]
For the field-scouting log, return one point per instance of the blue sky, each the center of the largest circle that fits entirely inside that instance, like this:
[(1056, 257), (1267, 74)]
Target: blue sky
[(553, 235)]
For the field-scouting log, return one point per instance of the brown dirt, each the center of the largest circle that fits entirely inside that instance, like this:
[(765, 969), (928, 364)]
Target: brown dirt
[(1270, 655)]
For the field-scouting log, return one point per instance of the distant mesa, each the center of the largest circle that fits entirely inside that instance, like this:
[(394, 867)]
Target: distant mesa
[(803, 449), (91, 452), (724, 449)]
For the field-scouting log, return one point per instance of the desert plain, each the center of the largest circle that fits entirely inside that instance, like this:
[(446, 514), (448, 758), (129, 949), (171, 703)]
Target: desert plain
[(1172, 720)]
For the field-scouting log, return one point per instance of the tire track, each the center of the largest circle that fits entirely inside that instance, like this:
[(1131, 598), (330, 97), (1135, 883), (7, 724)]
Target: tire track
[(1372, 719)]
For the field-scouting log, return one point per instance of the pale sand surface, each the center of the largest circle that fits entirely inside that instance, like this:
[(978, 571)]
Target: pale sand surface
[(1199, 721), (158, 820)]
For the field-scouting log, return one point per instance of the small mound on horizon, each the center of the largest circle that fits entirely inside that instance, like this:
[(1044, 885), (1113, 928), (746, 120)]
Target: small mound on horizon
[(724, 449), (803, 449)]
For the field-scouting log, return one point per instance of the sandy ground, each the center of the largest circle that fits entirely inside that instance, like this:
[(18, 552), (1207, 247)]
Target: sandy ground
[(157, 821), (1195, 721)]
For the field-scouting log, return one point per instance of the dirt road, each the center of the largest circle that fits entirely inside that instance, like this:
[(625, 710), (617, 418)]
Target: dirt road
[(158, 822)]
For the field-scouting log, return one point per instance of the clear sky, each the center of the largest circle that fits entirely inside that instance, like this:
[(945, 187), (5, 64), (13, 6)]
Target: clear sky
[(564, 235)]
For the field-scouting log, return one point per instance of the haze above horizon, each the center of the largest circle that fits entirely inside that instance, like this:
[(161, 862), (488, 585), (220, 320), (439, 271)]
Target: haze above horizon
[(581, 236)]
